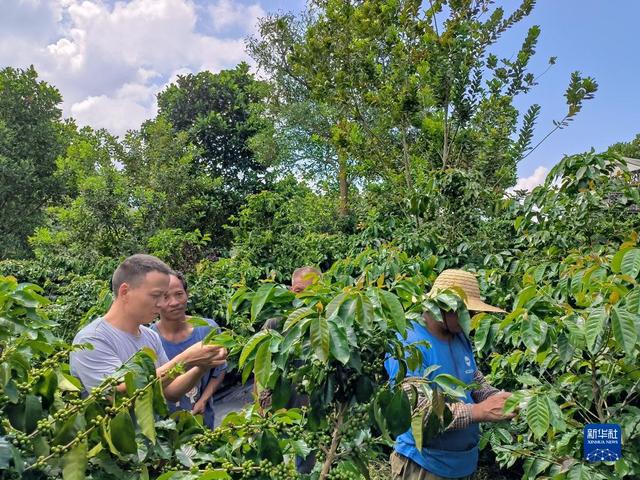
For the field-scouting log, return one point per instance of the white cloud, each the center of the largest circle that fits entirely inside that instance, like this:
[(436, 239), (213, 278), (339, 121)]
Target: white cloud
[(110, 59), (116, 115), (532, 181), (228, 14)]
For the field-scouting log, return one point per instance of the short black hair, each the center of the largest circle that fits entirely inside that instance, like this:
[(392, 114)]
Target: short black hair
[(180, 276), (135, 268)]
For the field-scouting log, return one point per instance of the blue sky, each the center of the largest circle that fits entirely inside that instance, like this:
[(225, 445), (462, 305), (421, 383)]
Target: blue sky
[(109, 58)]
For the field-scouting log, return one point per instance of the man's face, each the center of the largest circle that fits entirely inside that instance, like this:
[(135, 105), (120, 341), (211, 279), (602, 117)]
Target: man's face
[(175, 305), (145, 300), (299, 283), (451, 321)]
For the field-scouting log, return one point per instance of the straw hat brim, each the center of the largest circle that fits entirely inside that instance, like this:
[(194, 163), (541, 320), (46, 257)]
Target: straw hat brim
[(467, 286), (476, 305)]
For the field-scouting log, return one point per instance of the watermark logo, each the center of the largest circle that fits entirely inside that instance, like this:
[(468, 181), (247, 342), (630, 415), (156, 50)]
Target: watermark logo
[(602, 442)]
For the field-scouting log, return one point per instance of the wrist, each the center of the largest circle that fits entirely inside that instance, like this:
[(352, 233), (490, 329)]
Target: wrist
[(476, 412)]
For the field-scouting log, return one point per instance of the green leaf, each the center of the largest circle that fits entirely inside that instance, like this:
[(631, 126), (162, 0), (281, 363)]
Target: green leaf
[(320, 338), (184, 454), (565, 348), (538, 415), (395, 310), (364, 311), (631, 263), (259, 299), (580, 472), (514, 400), (334, 305), (236, 300), (417, 422), (339, 342), (123, 434), (216, 474), (451, 385), (481, 334), (251, 345), (74, 462), (270, 448), (433, 308), (197, 322), (632, 301), (624, 329), (524, 296), (7, 453), (262, 365), (398, 413), (533, 333), (594, 327), (292, 337), (32, 412), (295, 316), (145, 415)]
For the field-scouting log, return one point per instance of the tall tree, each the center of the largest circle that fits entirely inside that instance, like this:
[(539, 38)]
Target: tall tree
[(220, 114), (412, 88), (32, 135)]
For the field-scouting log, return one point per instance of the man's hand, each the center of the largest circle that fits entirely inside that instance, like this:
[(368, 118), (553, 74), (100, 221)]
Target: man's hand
[(491, 409), (199, 407), (206, 356)]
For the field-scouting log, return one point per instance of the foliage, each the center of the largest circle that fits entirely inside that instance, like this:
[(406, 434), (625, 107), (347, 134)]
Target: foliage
[(78, 301), (288, 227), (571, 342), (180, 249), (32, 135), (398, 91), (379, 149), (220, 114), (627, 149), (213, 283), (48, 430), (329, 346)]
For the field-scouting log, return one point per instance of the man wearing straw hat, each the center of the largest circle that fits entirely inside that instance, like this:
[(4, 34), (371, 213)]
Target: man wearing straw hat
[(454, 452)]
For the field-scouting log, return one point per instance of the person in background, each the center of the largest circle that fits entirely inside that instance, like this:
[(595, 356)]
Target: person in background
[(139, 286), (454, 452), (177, 335), (301, 279)]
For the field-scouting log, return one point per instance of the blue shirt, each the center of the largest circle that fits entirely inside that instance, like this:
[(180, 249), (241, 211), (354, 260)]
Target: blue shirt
[(453, 453), (172, 349)]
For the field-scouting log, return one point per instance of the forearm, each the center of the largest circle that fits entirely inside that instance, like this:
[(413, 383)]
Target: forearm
[(180, 385), (461, 412), (211, 387), (485, 389)]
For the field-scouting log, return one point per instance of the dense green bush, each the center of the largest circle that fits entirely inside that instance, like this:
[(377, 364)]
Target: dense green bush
[(78, 301), (288, 227), (213, 283), (182, 250)]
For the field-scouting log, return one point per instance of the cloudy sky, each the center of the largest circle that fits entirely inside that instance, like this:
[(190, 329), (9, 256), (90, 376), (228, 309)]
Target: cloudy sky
[(109, 58)]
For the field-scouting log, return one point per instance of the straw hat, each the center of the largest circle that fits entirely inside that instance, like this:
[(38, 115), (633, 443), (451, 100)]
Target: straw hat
[(468, 283)]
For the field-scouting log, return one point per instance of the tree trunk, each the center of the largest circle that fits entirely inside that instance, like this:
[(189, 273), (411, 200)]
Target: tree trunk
[(335, 441), (343, 208), (445, 146), (405, 158)]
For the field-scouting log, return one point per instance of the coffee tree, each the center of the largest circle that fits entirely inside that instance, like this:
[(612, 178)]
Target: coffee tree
[(328, 344), (572, 341)]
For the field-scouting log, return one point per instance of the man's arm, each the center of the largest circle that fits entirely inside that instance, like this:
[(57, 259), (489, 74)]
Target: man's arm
[(489, 408), (207, 393), (199, 359), (485, 389)]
